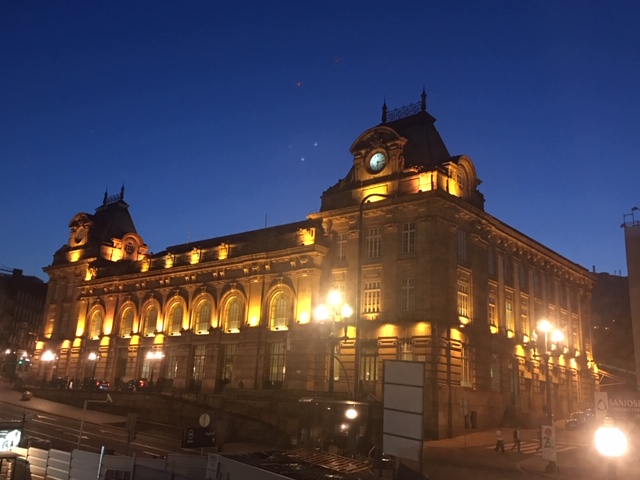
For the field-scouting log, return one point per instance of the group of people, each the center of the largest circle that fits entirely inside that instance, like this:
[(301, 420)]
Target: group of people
[(517, 439)]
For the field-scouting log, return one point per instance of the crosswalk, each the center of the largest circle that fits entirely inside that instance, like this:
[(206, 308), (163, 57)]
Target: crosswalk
[(531, 448)]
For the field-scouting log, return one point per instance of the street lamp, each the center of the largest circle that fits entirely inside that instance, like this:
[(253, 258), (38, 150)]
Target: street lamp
[(47, 357), (95, 358), (336, 312), (611, 442), (557, 336)]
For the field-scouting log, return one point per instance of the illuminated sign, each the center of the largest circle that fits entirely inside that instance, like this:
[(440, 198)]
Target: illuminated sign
[(8, 439)]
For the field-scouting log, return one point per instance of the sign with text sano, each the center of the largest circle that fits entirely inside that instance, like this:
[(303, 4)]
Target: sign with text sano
[(198, 437)]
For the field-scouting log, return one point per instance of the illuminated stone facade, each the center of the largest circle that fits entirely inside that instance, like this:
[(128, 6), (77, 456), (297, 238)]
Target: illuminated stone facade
[(403, 236)]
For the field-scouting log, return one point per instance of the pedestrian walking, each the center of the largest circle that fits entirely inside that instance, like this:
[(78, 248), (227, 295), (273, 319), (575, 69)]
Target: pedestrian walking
[(516, 439), (499, 441)]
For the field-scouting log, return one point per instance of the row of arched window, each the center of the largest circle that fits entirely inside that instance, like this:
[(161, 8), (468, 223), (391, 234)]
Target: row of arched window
[(230, 317)]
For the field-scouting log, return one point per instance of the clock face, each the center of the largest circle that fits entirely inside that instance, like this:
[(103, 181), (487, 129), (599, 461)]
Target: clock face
[(377, 161)]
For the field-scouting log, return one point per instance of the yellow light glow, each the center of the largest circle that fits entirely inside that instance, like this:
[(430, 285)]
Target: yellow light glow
[(379, 190), (223, 251), (144, 267), (77, 342), (158, 339), (195, 256), (493, 328), (168, 261), (455, 334), (525, 338), (39, 345), (74, 255), (389, 330), (135, 340), (108, 325), (426, 182), (464, 320), (510, 333), (307, 236), (253, 321), (519, 351), (423, 328), (303, 317), (351, 331)]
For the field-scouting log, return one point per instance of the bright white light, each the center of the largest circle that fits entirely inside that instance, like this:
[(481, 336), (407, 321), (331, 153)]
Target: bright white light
[(347, 311), (321, 313), (48, 356), (93, 356), (335, 298), (154, 355), (557, 336), (544, 326), (351, 413), (610, 441)]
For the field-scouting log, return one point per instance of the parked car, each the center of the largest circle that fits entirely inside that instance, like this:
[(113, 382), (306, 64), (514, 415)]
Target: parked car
[(95, 384), (136, 384), (576, 420)]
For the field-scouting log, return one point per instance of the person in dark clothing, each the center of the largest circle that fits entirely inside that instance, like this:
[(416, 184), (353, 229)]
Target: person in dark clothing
[(516, 439)]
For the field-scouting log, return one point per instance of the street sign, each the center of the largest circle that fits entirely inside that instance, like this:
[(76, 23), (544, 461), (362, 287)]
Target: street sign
[(198, 437), (549, 443), (204, 420)]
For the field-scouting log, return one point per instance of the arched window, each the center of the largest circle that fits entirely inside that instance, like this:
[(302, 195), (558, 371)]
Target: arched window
[(150, 319), (175, 319), (95, 325), (126, 322), (280, 311), (203, 316), (233, 315)]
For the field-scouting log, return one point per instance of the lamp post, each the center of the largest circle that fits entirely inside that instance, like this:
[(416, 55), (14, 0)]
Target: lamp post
[(47, 357), (336, 312), (611, 442), (556, 336), (366, 198), (95, 358)]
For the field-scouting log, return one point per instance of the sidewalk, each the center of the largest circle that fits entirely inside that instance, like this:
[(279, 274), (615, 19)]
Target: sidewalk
[(583, 462)]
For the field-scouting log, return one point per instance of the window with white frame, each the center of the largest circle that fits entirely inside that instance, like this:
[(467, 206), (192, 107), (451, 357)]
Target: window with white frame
[(408, 237), (341, 247), (463, 298), (228, 361), (374, 241), (491, 308), (276, 362), (203, 316), (126, 322), (199, 355), (150, 320), (369, 363), (465, 364), (407, 294), (508, 315), (233, 315), (372, 297), (175, 319), (524, 316), (95, 325), (280, 311)]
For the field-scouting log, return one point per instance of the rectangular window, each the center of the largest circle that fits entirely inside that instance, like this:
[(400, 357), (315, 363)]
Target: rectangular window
[(199, 352), (524, 277), (575, 333), (463, 299), (228, 361), (407, 294), (408, 237), (491, 261), (465, 361), (276, 367), (406, 350), (372, 297), (341, 244), (509, 318), (491, 309), (374, 240), (508, 269), (524, 316), (172, 364), (462, 246), (369, 364)]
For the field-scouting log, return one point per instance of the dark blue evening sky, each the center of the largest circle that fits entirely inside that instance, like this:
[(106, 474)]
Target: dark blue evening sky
[(219, 117)]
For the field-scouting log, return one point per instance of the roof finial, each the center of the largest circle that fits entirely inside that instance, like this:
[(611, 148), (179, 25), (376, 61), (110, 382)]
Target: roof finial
[(423, 105), (106, 194), (122, 193), (384, 111)]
